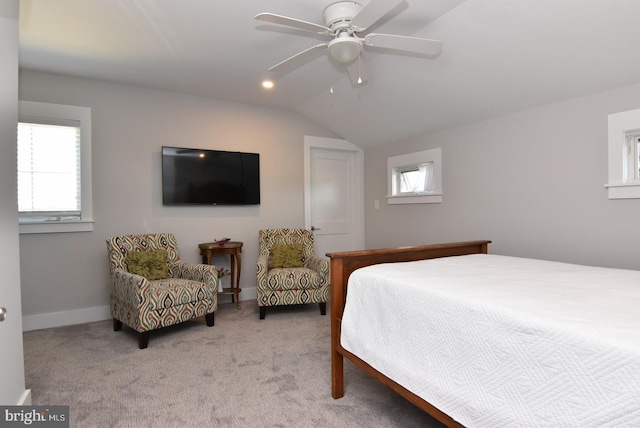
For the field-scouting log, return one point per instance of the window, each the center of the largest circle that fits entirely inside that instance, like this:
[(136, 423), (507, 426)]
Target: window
[(632, 171), (54, 168), (415, 178), (48, 171), (624, 155)]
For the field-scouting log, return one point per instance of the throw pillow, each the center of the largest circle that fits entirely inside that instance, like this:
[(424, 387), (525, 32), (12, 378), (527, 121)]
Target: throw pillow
[(286, 256), (150, 264)]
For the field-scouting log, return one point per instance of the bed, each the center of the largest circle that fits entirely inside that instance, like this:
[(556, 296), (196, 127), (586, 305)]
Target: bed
[(476, 339)]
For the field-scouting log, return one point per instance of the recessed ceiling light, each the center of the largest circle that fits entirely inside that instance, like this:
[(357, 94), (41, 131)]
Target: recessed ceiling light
[(267, 84)]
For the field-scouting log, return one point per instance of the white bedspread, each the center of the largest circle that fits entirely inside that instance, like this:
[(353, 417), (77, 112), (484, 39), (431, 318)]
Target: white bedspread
[(496, 341)]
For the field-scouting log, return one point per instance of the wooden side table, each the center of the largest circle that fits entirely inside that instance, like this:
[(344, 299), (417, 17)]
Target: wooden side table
[(234, 250)]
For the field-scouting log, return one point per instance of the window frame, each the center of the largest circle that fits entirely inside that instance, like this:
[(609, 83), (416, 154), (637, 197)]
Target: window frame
[(620, 184), (46, 113), (397, 164)]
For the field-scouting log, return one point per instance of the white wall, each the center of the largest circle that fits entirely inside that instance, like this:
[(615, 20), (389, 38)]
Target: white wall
[(532, 182), (69, 271)]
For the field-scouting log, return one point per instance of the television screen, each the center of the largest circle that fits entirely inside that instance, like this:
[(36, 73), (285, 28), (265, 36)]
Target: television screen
[(209, 177)]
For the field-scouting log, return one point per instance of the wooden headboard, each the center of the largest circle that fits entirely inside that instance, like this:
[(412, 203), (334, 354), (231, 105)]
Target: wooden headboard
[(344, 263)]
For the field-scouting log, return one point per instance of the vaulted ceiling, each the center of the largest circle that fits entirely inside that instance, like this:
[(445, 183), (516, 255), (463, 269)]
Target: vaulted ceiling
[(498, 57)]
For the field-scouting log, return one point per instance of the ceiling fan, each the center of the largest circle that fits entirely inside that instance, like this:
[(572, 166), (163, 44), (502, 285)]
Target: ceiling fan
[(344, 21)]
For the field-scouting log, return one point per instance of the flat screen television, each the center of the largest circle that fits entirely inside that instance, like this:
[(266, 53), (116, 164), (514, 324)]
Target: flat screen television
[(209, 177)]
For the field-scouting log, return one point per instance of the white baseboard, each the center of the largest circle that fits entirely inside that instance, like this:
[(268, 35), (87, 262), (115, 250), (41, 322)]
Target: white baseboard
[(99, 313), (25, 400), (57, 319)]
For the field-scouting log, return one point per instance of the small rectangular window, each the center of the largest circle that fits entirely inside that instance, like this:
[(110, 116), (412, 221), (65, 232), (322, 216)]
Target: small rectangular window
[(632, 157), (415, 178), (54, 168), (637, 157), (49, 180)]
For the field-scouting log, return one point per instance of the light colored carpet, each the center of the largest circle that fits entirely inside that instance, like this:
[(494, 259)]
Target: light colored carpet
[(243, 372)]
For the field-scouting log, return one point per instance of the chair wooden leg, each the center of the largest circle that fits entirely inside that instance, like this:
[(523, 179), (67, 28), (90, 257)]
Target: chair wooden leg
[(143, 339), (323, 308), (117, 325), (263, 312), (210, 320)]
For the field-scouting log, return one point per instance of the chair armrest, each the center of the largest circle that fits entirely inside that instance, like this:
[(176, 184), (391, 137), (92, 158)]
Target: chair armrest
[(262, 269), (128, 286), (318, 264), (196, 272)]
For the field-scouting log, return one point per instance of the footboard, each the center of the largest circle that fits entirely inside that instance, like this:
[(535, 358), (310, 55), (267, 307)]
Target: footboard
[(342, 265)]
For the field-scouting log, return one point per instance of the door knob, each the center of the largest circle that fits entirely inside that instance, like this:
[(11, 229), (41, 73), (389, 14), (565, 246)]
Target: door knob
[(315, 228), (3, 313)]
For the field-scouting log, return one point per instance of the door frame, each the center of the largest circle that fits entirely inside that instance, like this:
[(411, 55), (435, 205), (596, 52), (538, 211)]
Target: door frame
[(311, 143), (12, 386)]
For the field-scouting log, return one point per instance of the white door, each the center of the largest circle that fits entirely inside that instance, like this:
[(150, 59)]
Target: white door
[(334, 194), (12, 386)]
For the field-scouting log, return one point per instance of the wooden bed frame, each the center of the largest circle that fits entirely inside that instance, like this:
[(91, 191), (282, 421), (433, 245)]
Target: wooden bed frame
[(342, 265)]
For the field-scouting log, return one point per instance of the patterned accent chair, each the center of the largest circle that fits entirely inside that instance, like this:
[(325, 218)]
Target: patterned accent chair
[(188, 291), (308, 283)]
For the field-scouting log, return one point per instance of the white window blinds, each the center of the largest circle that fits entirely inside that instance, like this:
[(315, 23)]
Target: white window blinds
[(49, 170)]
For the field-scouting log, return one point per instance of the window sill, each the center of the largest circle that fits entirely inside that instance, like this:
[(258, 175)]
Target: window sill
[(432, 198), (624, 191), (56, 227)]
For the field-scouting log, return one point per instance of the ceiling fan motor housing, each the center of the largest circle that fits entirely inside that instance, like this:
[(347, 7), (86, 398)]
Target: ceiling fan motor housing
[(339, 15)]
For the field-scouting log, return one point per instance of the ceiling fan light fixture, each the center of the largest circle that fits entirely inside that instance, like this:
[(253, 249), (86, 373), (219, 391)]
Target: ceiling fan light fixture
[(345, 49)]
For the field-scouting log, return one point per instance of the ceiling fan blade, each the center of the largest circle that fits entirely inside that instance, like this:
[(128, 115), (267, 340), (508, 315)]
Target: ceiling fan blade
[(372, 12), (298, 59), (404, 43), (356, 72), (292, 22)]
